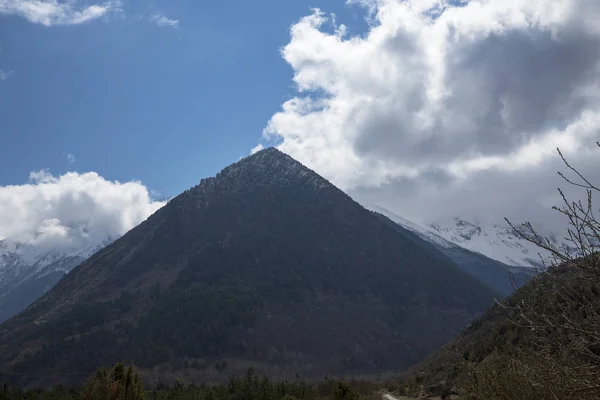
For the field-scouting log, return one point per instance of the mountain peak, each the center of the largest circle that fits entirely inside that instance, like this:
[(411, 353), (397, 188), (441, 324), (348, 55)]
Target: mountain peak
[(269, 150), (266, 168), (269, 157)]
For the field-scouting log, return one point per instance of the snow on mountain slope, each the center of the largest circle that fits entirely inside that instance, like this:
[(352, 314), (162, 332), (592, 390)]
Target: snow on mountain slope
[(502, 278), (423, 232), (27, 271), (20, 261), (495, 241)]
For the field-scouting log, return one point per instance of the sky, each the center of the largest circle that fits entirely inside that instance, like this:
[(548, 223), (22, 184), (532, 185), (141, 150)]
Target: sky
[(429, 108)]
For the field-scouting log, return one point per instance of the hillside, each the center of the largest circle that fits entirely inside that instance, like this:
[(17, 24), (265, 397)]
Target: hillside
[(501, 345), (268, 265)]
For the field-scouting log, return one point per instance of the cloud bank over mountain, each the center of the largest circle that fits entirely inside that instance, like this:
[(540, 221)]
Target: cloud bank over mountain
[(72, 210), (445, 108)]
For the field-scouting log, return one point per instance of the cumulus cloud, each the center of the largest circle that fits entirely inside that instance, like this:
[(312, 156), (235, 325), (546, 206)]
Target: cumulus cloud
[(443, 108), (53, 12), (70, 158), (163, 21), (72, 210)]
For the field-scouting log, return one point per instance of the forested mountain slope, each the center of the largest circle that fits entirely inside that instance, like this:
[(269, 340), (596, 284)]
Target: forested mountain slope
[(267, 264)]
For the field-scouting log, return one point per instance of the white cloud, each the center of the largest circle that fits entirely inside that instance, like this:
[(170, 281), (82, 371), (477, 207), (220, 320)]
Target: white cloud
[(70, 158), (72, 210), (434, 97), (53, 12), (257, 148), (163, 21)]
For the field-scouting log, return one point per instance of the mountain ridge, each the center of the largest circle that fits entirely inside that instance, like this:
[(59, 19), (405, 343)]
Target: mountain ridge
[(496, 241), (501, 278)]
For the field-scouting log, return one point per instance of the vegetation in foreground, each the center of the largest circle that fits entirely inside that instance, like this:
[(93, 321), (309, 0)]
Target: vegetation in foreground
[(121, 383)]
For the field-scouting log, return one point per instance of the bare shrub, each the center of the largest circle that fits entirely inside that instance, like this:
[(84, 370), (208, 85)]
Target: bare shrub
[(561, 314)]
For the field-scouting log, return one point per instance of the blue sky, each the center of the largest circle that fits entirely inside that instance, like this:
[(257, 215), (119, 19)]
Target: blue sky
[(129, 99)]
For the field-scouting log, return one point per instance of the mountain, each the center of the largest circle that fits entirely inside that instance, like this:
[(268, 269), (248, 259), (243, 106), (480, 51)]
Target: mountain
[(266, 265), (496, 241), (27, 271), (499, 277)]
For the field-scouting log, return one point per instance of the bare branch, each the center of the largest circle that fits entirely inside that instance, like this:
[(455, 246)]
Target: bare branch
[(560, 309)]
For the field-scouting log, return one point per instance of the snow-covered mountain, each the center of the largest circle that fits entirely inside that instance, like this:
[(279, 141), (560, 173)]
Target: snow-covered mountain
[(28, 271), (496, 241), (498, 276)]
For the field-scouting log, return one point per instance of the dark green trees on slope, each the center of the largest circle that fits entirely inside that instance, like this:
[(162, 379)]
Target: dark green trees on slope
[(120, 383), (268, 265)]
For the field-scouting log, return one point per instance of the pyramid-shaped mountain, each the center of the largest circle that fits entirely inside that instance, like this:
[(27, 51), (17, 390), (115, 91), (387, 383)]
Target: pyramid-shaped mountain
[(266, 265)]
